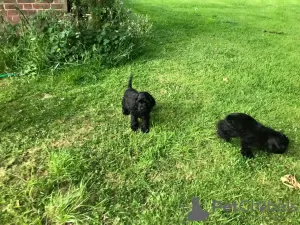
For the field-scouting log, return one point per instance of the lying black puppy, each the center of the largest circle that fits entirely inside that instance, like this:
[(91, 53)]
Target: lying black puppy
[(252, 134), (138, 105)]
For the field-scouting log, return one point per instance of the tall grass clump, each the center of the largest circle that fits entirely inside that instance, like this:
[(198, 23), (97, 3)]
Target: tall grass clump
[(105, 31)]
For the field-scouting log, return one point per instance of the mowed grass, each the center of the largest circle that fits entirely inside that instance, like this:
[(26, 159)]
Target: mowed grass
[(67, 154)]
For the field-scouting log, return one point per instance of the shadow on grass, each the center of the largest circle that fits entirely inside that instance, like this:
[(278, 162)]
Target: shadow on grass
[(173, 116), (19, 115), (180, 25), (183, 22), (50, 98), (175, 28)]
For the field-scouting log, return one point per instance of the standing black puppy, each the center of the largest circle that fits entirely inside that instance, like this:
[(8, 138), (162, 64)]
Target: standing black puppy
[(252, 134), (138, 105)]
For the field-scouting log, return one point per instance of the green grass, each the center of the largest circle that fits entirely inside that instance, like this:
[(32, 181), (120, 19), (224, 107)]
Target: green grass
[(67, 153)]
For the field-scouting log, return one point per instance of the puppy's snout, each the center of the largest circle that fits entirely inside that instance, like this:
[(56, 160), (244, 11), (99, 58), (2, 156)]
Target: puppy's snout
[(141, 107)]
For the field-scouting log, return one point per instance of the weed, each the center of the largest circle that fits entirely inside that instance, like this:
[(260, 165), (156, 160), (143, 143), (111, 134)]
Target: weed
[(50, 40)]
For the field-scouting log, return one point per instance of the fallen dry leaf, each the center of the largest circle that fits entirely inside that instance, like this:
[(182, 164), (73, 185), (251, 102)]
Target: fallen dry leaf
[(290, 181)]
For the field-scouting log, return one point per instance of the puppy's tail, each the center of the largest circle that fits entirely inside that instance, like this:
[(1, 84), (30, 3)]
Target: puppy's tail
[(130, 81)]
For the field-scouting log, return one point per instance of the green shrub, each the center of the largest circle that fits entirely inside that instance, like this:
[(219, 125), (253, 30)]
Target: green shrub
[(48, 40)]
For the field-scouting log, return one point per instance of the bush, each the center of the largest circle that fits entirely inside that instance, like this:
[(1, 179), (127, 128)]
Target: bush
[(112, 35)]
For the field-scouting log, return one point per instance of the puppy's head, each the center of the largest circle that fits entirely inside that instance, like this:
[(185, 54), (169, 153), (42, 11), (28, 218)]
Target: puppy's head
[(278, 143), (142, 103)]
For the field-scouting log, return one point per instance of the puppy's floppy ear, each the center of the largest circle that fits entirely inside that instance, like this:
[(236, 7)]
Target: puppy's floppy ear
[(149, 103), (272, 141), (153, 101), (139, 98)]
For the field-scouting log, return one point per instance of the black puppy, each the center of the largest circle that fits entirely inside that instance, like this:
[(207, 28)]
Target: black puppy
[(252, 134), (138, 105)]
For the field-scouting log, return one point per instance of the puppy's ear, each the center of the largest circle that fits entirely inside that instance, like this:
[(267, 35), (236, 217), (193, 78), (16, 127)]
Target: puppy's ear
[(153, 101), (148, 103), (139, 98), (273, 142)]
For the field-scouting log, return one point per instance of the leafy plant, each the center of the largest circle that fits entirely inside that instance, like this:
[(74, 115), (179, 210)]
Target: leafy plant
[(48, 40)]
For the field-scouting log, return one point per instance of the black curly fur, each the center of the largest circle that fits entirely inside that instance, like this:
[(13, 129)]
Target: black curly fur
[(138, 105), (252, 134)]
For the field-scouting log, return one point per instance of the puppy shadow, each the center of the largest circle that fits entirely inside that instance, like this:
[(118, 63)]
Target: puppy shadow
[(156, 117), (164, 113), (292, 151), (235, 144)]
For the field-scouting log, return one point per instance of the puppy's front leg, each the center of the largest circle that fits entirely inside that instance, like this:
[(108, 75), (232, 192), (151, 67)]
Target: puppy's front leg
[(145, 127), (246, 149), (134, 122), (125, 110)]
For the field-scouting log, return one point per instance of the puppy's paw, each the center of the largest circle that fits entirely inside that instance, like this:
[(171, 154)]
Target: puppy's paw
[(134, 127), (125, 112), (145, 129), (247, 155), (227, 139)]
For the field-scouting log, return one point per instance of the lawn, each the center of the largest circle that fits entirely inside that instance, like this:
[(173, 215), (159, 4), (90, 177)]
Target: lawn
[(67, 154)]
